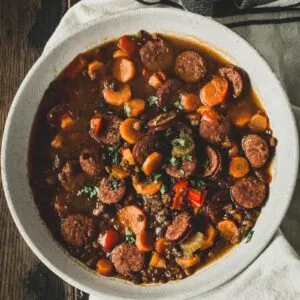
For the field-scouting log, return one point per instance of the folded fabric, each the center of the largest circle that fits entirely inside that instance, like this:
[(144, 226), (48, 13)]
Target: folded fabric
[(213, 7)]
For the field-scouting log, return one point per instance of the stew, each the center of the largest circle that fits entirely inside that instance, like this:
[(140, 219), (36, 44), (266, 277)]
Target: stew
[(150, 157)]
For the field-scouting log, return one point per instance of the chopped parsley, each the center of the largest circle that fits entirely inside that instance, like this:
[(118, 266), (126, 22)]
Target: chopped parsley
[(114, 153), (152, 100), (90, 190), (198, 184), (157, 176), (182, 172), (178, 105), (179, 142), (114, 183), (175, 162), (248, 236), (163, 189), (206, 161), (129, 236), (187, 157), (127, 110)]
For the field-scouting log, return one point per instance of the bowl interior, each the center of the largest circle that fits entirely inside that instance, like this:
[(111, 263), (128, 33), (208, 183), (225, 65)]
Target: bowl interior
[(19, 122)]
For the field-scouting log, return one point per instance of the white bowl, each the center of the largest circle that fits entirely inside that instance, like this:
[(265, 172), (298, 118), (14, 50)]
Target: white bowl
[(22, 112)]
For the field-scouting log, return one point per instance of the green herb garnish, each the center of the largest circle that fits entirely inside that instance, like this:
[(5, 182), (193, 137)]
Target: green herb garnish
[(182, 172), (175, 162), (248, 236), (157, 176), (178, 105), (163, 189), (90, 190), (114, 183), (188, 157), (114, 154), (152, 100), (168, 132), (129, 236)]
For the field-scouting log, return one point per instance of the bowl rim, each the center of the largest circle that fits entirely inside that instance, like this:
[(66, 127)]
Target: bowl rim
[(62, 274)]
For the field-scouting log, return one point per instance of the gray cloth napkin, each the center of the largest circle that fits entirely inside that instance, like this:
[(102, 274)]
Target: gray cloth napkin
[(223, 7)]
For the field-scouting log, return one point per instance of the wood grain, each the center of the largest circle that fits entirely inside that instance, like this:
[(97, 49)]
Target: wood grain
[(25, 26)]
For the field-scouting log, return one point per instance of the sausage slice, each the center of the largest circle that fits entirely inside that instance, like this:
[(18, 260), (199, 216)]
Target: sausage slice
[(213, 166), (236, 78), (127, 259), (77, 230), (111, 190), (216, 132), (163, 121), (146, 145), (168, 93), (156, 55), (186, 169), (179, 227), (90, 162), (190, 66), (256, 150), (248, 192), (71, 177)]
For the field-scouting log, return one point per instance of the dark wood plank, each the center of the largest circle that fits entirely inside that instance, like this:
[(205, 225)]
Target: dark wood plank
[(25, 26)]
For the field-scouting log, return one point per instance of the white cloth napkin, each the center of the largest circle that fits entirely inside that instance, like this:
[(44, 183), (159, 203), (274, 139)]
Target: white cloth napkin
[(275, 274)]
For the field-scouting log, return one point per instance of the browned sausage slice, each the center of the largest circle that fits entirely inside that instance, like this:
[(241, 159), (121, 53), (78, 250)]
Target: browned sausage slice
[(111, 190), (169, 93), (256, 150), (186, 169), (213, 166), (216, 132), (146, 145), (156, 55), (77, 230), (249, 192), (179, 227), (163, 121), (236, 78), (90, 162), (110, 134), (190, 66), (71, 177), (127, 259)]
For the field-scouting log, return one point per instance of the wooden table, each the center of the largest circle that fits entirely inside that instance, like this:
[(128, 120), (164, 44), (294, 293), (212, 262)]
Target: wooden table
[(25, 26)]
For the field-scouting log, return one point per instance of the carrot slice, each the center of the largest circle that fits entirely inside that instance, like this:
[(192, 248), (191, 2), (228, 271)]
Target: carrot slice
[(158, 261), (240, 113), (127, 156), (135, 107), (123, 70), (190, 102), (187, 262), (119, 97), (161, 245), (128, 130), (119, 54), (152, 163), (154, 81), (133, 217), (144, 241), (227, 229), (215, 92), (238, 167), (119, 173), (57, 142), (209, 237), (259, 123), (146, 188), (96, 125), (105, 267), (95, 68), (209, 114)]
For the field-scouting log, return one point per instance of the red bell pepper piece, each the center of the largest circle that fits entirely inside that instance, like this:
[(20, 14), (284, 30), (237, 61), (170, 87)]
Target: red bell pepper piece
[(196, 197), (109, 239), (180, 185), (127, 44)]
